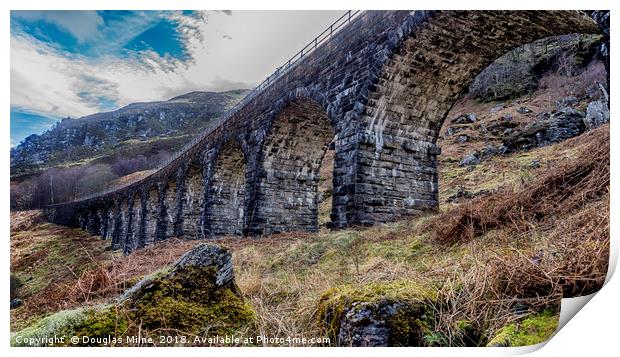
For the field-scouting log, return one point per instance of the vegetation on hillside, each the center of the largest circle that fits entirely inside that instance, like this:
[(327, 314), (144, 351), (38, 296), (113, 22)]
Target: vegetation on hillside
[(482, 277)]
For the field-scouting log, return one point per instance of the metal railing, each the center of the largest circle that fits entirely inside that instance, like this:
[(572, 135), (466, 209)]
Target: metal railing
[(219, 123)]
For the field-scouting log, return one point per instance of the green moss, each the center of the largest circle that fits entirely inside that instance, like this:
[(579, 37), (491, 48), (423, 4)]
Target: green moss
[(529, 331), (59, 324), (189, 301), (410, 325), (102, 322), (405, 325)]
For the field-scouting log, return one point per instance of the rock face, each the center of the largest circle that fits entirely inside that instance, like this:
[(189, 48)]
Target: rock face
[(560, 126), (597, 114), (518, 72), (75, 139), (602, 20), (206, 256)]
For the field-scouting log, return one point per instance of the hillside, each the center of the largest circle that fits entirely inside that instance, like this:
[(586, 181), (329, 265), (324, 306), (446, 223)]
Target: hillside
[(73, 141), (290, 279)]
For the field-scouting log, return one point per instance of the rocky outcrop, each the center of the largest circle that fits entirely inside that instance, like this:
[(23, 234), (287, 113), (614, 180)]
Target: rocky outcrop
[(547, 130), (597, 114), (602, 20), (518, 72)]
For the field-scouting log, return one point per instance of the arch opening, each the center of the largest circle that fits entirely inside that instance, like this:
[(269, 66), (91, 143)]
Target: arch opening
[(193, 202), (289, 178), (226, 199), (505, 107), (169, 209), (151, 215), (397, 159)]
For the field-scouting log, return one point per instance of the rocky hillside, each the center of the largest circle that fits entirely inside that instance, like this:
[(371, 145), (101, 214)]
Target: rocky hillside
[(72, 140)]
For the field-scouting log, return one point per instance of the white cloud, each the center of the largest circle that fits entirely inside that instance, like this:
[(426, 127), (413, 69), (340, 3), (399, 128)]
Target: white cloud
[(226, 52), (83, 24)]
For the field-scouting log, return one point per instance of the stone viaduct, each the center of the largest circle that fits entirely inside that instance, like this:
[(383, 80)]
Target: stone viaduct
[(377, 91)]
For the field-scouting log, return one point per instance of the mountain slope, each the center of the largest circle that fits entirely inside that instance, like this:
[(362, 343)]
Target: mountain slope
[(72, 140)]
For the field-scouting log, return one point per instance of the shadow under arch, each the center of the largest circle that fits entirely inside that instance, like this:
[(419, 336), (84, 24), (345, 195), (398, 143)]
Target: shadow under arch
[(225, 203), (289, 164)]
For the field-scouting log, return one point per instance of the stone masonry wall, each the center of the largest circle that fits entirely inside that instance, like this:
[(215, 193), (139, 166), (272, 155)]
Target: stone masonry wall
[(380, 88)]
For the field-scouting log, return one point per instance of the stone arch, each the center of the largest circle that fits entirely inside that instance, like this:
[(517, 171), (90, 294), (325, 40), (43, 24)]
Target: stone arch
[(288, 174), (435, 56), (225, 207)]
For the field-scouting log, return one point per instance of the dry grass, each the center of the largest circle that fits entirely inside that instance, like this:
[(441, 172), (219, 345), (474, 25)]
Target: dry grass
[(533, 246), (560, 191), (487, 258), (48, 259), (109, 278), (24, 220)]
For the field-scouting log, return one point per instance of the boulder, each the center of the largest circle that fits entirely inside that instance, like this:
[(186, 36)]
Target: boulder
[(560, 126), (524, 110), (465, 119), (461, 139), (453, 130), (597, 114), (209, 256), (387, 314), (470, 160), (497, 108), (15, 303)]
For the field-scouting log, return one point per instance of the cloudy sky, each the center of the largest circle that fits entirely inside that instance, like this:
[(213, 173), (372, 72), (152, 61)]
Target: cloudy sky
[(74, 63)]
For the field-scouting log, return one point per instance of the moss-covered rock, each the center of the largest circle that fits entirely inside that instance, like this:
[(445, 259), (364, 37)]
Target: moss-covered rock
[(190, 301), (197, 297), (529, 331), (393, 314)]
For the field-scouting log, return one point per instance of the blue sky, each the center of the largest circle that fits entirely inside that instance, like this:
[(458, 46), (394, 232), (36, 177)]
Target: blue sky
[(75, 63)]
